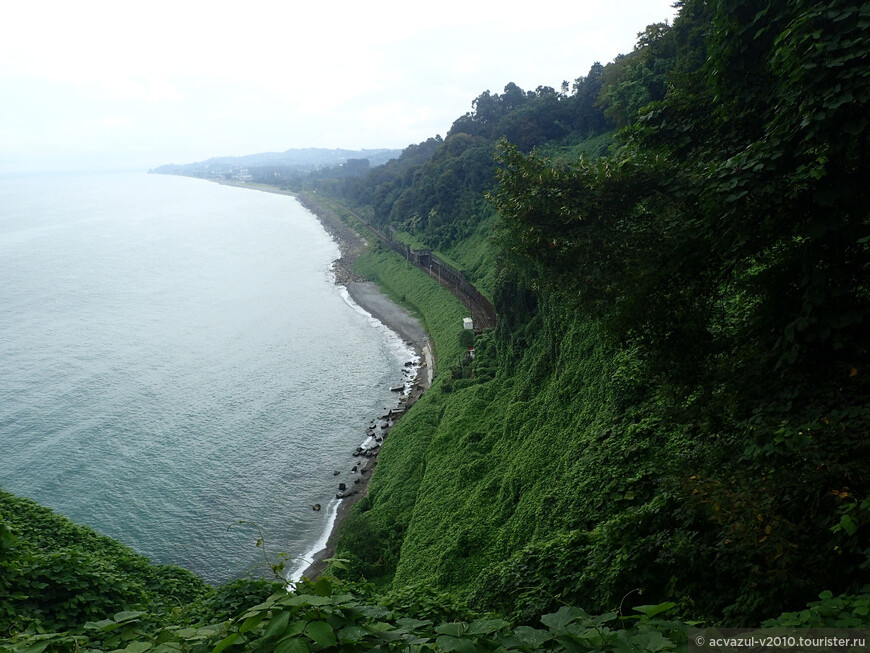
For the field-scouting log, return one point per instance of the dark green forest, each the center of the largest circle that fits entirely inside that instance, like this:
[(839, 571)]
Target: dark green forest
[(669, 424), (676, 396)]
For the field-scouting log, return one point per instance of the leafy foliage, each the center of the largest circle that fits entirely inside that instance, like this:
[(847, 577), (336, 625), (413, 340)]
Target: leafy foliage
[(328, 616), (57, 576), (671, 417), (681, 400), (325, 616)]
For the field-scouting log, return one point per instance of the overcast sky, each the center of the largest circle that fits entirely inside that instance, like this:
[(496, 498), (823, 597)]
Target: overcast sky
[(125, 84)]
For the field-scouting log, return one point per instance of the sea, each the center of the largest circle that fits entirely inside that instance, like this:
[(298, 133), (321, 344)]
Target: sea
[(177, 368)]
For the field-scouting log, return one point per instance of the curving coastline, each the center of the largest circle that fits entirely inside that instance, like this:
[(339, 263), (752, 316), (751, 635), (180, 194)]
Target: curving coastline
[(367, 296)]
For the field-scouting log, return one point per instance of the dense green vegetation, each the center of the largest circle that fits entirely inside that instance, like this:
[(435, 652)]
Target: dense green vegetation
[(670, 423), (676, 398), (169, 610), (56, 576), (439, 312)]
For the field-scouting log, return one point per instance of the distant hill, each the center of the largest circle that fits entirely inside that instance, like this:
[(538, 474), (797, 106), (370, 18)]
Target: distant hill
[(278, 166)]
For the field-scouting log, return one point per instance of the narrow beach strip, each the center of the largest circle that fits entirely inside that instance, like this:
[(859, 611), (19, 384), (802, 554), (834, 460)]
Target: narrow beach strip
[(304, 562)]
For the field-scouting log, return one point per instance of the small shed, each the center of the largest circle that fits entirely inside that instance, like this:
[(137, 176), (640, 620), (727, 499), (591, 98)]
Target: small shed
[(467, 323)]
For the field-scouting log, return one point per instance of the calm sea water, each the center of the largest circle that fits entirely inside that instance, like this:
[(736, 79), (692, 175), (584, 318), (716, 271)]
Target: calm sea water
[(174, 359)]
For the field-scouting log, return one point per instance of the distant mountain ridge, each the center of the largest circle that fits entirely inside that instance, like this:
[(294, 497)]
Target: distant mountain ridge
[(277, 164)]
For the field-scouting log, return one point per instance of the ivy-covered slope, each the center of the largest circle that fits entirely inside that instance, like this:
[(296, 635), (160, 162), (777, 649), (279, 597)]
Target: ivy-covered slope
[(673, 409), (676, 400), (56, 576)]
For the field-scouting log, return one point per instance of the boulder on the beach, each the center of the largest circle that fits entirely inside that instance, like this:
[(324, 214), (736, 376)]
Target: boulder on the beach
[(336, 473), (342, 486), (315, 507)]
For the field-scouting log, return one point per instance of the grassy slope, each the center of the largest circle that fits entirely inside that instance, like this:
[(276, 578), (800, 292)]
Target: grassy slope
[(503, 466), (472, 478), (557, 479), (474, 254), (502, 470), (375, 543), (439, 311), (58, 574)]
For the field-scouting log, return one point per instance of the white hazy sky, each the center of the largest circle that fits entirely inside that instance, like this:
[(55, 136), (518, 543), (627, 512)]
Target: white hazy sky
[(128, 84)]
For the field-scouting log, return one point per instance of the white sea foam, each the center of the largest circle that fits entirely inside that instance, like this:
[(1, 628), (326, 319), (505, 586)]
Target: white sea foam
[(396, 344), (304, 562), (402, 352)]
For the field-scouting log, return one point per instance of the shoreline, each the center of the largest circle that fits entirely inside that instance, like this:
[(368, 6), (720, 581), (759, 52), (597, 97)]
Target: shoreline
[(369, 297)]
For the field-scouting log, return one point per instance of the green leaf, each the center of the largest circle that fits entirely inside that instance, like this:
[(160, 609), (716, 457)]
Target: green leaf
[(352, 634), (168, 647), (122, 617), (391, 635), (277, 625), (374, 611), (412, 624), (39, 647), (571, 643), (652, 641), (848, 524), (139, 647), (305, 599), (296, 628), (292, 645), (652, 610), (323, 587), (486, 626), (564, 616), (225, 642), (252, 622), (532, 637), (454, 629), (448, 644), (321, 632), (380, 627)]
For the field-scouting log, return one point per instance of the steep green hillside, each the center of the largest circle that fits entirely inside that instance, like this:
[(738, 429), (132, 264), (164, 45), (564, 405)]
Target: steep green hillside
[(56, 576), (671, 416), (676, 401), (438, 311)]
